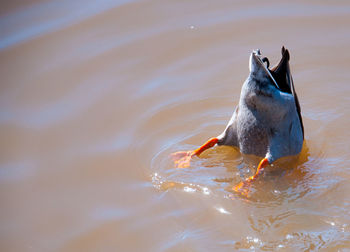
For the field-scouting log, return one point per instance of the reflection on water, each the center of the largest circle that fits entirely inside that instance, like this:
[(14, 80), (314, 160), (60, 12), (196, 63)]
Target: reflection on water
[(95, 96)]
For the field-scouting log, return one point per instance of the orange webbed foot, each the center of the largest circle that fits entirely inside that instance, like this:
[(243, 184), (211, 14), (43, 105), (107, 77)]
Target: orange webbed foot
[(244, 186), (182, 159)]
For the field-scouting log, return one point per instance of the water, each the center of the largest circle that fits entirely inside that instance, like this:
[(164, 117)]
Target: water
[(95, 96)]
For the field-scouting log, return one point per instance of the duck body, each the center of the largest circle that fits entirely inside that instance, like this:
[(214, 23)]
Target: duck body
[(266, 122)]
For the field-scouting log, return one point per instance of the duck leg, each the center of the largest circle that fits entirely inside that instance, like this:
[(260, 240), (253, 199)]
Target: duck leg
[(182, 159), (242, 186)]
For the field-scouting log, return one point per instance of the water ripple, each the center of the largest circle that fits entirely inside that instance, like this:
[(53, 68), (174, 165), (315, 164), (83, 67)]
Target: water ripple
[(30, 22)]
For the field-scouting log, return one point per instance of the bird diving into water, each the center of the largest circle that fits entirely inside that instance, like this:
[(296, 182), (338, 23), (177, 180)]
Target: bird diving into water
[(267, 121)]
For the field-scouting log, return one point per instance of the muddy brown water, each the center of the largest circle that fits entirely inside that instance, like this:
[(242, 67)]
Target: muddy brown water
[(96, 95)]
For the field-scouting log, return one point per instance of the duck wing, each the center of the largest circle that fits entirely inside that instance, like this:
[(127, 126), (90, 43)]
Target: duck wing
[(281, 73)]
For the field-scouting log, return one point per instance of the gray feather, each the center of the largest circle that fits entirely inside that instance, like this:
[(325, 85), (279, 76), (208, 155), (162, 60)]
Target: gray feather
[(267, 121)]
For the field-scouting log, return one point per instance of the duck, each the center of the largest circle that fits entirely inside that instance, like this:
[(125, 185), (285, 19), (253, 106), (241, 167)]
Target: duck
[(267, 121)]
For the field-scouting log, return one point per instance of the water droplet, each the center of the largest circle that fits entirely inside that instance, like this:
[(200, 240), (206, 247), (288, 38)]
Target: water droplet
[(276, 192), (331, 223), (222, 210), (189, 189), (205, 191)]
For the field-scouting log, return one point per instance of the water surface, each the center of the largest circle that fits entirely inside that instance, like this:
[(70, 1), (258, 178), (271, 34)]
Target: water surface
[(95, 96)]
